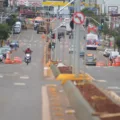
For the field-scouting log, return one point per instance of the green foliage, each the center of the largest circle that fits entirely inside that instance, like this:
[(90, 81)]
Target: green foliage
[(87, 12), (11, 21), (4, 31), (90, 13), (118, 41), (105, 29)]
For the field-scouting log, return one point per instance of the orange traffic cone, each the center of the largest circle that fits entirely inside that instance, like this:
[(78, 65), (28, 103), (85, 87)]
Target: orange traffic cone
[(7, 60), (8, 56)]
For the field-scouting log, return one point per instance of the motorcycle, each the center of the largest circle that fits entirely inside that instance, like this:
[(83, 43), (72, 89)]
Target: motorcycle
[(27, 58)]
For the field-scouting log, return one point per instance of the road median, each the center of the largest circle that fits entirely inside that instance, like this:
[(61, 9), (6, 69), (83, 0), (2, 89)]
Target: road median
[(89, 102)]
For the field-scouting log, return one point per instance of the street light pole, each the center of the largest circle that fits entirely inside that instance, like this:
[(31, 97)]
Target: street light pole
[(76, 51), (56, 39)]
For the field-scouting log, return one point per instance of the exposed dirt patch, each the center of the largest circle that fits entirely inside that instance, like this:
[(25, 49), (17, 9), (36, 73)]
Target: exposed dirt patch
[(99, 101), (65, 69)]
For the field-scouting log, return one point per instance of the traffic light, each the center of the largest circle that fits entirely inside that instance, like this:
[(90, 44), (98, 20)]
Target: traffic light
[(5, 3), (52, 45), (59, 36), (102, 21), (87, 22), (72, 24), (53, 36)]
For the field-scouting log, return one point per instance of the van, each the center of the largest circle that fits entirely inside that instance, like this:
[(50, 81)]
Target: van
[(113, 54), (68, 29), (16, 29), (18, 24)]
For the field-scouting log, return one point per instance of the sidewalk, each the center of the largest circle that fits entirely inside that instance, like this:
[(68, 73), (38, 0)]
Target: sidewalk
[(59, 106)]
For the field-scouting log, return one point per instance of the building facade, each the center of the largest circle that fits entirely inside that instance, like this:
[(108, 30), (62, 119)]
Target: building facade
[(1, 5)]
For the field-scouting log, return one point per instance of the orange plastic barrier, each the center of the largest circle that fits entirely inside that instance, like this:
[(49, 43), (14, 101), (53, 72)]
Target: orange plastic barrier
[(8, 61), (100, 64), (113, 64), (17, 60), (117, 64), (109, 64)]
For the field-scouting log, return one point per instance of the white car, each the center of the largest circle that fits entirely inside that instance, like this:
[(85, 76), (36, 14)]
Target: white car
[(67, 20), (71, 49), (63, 25), (113, 54), (107, 52)]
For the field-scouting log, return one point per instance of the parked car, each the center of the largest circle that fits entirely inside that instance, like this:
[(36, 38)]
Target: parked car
[(90, 59), (82, 53), (71, 49), (3, 53), (107, 52), (7, 48), (1, 56), (13, 43), (113, 54)]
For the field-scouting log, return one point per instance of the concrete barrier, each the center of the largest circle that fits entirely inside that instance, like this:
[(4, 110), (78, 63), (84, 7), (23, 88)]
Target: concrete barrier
[(82, 108), (55, 70)]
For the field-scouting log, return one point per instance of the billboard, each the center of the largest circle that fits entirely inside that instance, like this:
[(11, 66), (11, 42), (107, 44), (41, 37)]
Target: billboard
[(112, 10), (55, 3)]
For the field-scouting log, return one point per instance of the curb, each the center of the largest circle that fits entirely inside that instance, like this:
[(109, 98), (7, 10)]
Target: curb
[(83, 110)]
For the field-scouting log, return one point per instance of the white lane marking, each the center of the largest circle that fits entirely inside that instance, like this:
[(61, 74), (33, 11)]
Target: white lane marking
[(20, 84), (16, 73), (1, 76), (24, 77), (100, 80), (97, 66), (113, 87)]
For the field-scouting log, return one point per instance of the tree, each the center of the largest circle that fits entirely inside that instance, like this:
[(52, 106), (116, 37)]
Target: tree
[(4, 32), (89, 13), (118, 42), (105, 29), (11, 20)]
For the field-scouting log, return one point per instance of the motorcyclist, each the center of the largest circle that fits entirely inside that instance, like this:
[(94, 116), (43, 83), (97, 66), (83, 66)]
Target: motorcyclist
[(28, 50)]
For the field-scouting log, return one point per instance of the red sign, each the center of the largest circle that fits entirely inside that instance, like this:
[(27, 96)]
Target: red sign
[(78, 18), (92, 28)]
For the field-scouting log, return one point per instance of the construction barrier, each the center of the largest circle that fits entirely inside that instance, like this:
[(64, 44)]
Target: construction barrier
[(17, 60), (109, 64), (100, 63)]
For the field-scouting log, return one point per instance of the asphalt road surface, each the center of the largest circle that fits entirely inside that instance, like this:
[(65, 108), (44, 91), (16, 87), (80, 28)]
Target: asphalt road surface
[(106, 77), (20, 85)]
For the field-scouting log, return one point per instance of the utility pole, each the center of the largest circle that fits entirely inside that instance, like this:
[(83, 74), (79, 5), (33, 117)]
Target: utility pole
[(77, 43), (56, 40)]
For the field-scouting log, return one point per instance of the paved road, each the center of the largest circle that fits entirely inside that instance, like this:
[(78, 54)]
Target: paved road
[(20, 85), (106, 77)]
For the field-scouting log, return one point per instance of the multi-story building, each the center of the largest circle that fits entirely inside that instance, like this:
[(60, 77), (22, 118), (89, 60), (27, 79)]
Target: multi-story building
[(1, 5), (106, 6)]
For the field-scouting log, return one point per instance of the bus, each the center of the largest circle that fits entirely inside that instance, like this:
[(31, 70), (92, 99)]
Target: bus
[(92, 41)]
